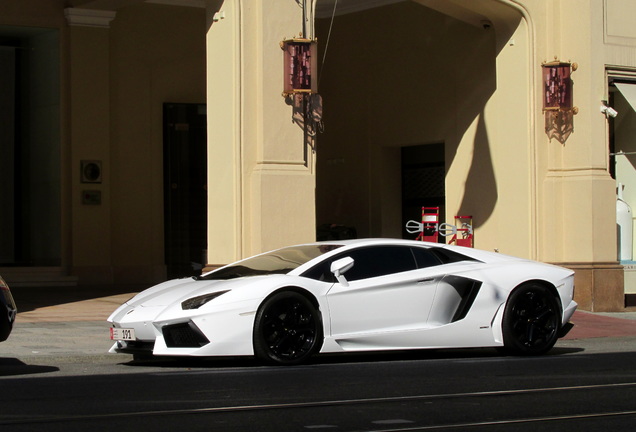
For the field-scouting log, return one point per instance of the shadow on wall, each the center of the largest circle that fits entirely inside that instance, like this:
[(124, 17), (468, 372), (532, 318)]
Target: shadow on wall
[(212, 7), (480, 192)]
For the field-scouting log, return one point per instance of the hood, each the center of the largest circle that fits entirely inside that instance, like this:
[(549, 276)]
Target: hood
[(178, 290), (171, 291)]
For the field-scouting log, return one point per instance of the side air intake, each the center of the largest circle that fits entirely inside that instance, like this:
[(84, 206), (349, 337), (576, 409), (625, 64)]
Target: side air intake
[(184, 335)]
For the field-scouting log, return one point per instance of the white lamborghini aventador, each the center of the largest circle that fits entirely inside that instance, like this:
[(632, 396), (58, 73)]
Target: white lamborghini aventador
[(286, 305)]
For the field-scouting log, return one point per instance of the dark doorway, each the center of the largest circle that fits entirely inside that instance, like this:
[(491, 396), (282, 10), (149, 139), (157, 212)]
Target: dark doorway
[(30, 155), (185, 188), (423, 176)]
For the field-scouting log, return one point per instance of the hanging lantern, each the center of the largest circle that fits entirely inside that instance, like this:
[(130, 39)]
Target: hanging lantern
[(300, 66), (558, 96), (557, 86)]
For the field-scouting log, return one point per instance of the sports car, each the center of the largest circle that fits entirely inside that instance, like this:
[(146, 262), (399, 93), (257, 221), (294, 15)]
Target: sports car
[(8, 311), (286, 305)]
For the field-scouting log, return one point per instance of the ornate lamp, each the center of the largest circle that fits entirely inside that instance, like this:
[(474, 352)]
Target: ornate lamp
[(300, 66), (557, 99), (557, 86)]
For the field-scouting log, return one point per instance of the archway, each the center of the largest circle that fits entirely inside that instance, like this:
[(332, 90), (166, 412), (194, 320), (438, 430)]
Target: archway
[(417, 74)]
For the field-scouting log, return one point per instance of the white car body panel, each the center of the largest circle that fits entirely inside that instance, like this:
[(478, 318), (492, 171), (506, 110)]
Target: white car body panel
[(383, 304), (454, 305)]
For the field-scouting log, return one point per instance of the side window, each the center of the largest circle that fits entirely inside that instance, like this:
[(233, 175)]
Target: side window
[(426, 258), (369, 262), (448, 256), (379, 261), (321, 272)]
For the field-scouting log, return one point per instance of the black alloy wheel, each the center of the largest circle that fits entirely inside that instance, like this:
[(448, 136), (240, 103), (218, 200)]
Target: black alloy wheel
[(287, 329), (531, 320)]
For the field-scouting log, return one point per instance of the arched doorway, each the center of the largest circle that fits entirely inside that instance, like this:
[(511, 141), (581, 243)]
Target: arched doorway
[(410, 78)]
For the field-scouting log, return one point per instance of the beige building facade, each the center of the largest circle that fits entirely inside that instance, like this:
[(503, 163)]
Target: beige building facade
[(423, 103)]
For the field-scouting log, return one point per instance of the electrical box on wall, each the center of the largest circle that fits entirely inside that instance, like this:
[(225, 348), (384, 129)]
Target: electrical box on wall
[(91, 197), (91, 171)]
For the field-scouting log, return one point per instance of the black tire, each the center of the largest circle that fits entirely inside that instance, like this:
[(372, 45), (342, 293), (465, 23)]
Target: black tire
[(287, 329), (531, 320)]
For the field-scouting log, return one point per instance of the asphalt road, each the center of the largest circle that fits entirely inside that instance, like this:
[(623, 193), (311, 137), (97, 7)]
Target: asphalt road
[(55, 375), (573, 387)]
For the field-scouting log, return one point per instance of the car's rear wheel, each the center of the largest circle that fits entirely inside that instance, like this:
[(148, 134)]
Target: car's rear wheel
[(531, 320), (287, 329)]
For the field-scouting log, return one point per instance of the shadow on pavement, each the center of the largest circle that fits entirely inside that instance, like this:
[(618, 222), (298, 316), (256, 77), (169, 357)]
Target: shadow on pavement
[(32, 298), (340, 358), (15, 367)]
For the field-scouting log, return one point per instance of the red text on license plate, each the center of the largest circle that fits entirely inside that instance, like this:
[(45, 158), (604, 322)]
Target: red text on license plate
[(122, 334)]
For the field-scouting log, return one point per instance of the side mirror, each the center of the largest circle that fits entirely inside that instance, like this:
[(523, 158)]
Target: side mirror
[(341, 266)]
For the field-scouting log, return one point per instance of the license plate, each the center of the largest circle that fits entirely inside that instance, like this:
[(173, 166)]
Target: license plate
[(122, 334)]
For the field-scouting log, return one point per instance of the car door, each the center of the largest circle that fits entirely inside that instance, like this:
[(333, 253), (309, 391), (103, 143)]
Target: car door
[(385, 293)]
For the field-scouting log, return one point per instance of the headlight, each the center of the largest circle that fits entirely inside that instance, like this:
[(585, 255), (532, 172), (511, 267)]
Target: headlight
[(197, 302)]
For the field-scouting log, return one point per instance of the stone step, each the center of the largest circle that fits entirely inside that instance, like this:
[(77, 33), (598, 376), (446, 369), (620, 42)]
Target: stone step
[(36, 277)]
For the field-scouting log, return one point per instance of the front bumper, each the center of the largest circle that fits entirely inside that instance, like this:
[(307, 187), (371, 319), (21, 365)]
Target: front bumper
[(225, 332), (143, 348)]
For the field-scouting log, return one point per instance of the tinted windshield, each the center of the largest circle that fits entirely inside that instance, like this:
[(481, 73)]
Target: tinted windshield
[(280, 261)]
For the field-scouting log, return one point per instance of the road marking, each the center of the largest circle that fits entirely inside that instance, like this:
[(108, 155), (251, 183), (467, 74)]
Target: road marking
[(509, 422), (10, 420)]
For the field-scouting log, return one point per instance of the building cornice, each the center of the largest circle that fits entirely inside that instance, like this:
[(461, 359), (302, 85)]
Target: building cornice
[(89, 17), (188, 3), (326, 8)]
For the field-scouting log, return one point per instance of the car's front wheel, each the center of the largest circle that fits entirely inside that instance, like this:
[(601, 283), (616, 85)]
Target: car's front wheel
[(287, 329), (531, 320)]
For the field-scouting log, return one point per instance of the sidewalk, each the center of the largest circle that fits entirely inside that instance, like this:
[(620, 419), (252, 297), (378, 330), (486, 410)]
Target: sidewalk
[(64, 322), (69, 304), (69, 322), (602, 325)]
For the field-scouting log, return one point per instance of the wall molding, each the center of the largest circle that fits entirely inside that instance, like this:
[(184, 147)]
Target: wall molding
[(89, 17)]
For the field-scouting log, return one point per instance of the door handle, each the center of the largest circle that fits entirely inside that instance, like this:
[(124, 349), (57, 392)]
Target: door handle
[(425, 281)]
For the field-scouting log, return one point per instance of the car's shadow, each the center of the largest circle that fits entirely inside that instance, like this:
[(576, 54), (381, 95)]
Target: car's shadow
[(16, 367), (339, 358)]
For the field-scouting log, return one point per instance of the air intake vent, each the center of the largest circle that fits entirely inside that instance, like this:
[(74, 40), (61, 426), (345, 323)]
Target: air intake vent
[(184, 335)]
